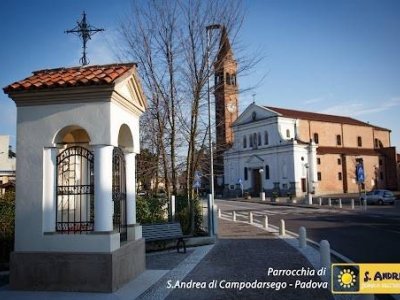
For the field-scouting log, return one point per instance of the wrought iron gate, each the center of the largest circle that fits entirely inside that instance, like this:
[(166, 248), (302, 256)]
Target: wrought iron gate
[(119, 193), (75, 190)]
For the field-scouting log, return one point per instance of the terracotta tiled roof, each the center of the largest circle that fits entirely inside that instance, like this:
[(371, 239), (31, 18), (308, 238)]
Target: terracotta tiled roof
[(345, 150), (305, 115), (69, 77)]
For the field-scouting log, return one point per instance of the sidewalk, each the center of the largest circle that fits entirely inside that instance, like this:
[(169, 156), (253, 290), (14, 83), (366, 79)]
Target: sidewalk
[(243, 253)]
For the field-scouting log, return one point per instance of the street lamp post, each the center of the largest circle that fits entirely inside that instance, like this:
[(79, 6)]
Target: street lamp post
[(211, 195), (309, 197), (262, 194)]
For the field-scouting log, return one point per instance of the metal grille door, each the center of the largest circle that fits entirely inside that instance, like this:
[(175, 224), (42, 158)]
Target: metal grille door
[(119, 193), (75, 190)]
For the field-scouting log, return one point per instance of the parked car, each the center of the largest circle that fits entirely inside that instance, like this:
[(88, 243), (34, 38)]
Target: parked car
[(379, 197)]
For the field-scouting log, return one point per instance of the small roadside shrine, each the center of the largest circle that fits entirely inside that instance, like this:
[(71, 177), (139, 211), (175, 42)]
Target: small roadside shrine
[(77, 137)]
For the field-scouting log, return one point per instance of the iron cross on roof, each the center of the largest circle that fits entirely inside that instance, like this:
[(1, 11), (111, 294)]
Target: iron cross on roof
[(85, 32)]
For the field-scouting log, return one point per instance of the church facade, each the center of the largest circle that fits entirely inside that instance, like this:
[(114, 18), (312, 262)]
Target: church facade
[(289, 152)]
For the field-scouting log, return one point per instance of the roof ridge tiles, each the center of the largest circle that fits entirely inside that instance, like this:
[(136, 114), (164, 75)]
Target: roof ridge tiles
[(84, 67), (69, 77), (307, 115)]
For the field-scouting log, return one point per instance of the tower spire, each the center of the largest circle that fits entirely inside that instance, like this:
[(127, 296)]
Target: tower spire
[(85, 32)]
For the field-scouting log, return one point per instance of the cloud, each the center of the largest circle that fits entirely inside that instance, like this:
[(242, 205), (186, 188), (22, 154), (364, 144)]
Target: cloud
[(361, 109), (324, 98), (101, 49)]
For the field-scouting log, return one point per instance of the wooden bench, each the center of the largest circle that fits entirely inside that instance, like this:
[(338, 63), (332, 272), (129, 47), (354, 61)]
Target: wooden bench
[(164, 232)]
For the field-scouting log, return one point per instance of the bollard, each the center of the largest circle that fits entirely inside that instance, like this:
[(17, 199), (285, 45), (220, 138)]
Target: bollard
[(302, 237), (262, 196), (329, 202), (219, 213), (215, 223), (320, 201), (340, 203), (282, 230), (250, 217), (234, 216), (266, 222), (365, 204), (325, 254), (352, 203), (173, 207), (210, 215)]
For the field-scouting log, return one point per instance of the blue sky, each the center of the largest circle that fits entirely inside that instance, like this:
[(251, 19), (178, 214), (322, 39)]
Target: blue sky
[(338, 57)]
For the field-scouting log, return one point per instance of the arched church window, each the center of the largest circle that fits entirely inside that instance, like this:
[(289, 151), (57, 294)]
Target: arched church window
[(244, 142), (338, 140), (266, 172), (266, 141), (287, 133), (316, 138), (255, 139), (228, 78), (259, 139), (245, 174), (251, 140)]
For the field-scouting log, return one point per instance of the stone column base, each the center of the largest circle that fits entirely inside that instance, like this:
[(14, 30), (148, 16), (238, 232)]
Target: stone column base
[(134, 232), (77, 272)]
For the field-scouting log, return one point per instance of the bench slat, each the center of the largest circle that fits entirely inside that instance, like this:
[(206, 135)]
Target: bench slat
[(167, 231)]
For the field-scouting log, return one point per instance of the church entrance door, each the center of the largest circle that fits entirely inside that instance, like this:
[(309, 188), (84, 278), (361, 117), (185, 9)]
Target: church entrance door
[(256, 182)]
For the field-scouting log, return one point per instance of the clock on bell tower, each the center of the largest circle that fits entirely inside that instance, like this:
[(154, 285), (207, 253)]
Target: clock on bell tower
[(226, 99)]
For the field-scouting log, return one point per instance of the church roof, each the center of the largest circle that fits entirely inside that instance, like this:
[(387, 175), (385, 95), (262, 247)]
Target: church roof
[(71, 77), (305, 115)]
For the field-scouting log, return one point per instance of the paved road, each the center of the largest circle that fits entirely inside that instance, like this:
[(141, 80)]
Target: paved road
[(244, 253), (372, 236)]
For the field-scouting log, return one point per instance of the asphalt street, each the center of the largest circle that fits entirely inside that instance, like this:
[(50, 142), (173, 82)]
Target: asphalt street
[(371, 236)]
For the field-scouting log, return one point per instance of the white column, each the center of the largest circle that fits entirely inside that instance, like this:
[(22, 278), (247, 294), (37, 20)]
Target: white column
[(49, 189), (103, 206), (130, 188)]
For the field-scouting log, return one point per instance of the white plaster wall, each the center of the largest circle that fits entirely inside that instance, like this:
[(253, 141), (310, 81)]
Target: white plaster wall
[(36, 129), (300, 152), (286, 124), (120, 116)]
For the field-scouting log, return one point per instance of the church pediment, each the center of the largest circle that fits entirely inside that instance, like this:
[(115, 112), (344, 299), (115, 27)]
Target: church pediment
[(128, 93), (254, 113), (254, 162), (254, 159)]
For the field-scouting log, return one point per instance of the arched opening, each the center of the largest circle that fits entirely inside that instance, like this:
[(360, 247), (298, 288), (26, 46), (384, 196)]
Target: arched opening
[(75, 181), (72, 134), (119, 196), (125, 139)]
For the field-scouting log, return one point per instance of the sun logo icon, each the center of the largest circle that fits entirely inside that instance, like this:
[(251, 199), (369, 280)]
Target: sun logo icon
[(347, 278)]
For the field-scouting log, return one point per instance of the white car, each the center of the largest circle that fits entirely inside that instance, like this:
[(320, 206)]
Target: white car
[(379, 197)]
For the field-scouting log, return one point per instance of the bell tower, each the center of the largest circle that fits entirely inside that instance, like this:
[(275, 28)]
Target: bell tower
[(226, 99)]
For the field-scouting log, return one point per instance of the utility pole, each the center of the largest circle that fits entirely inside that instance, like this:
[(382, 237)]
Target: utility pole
[(211, 196)]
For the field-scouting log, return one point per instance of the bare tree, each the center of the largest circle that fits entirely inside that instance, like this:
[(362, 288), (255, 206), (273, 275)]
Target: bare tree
[(168, 39)]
